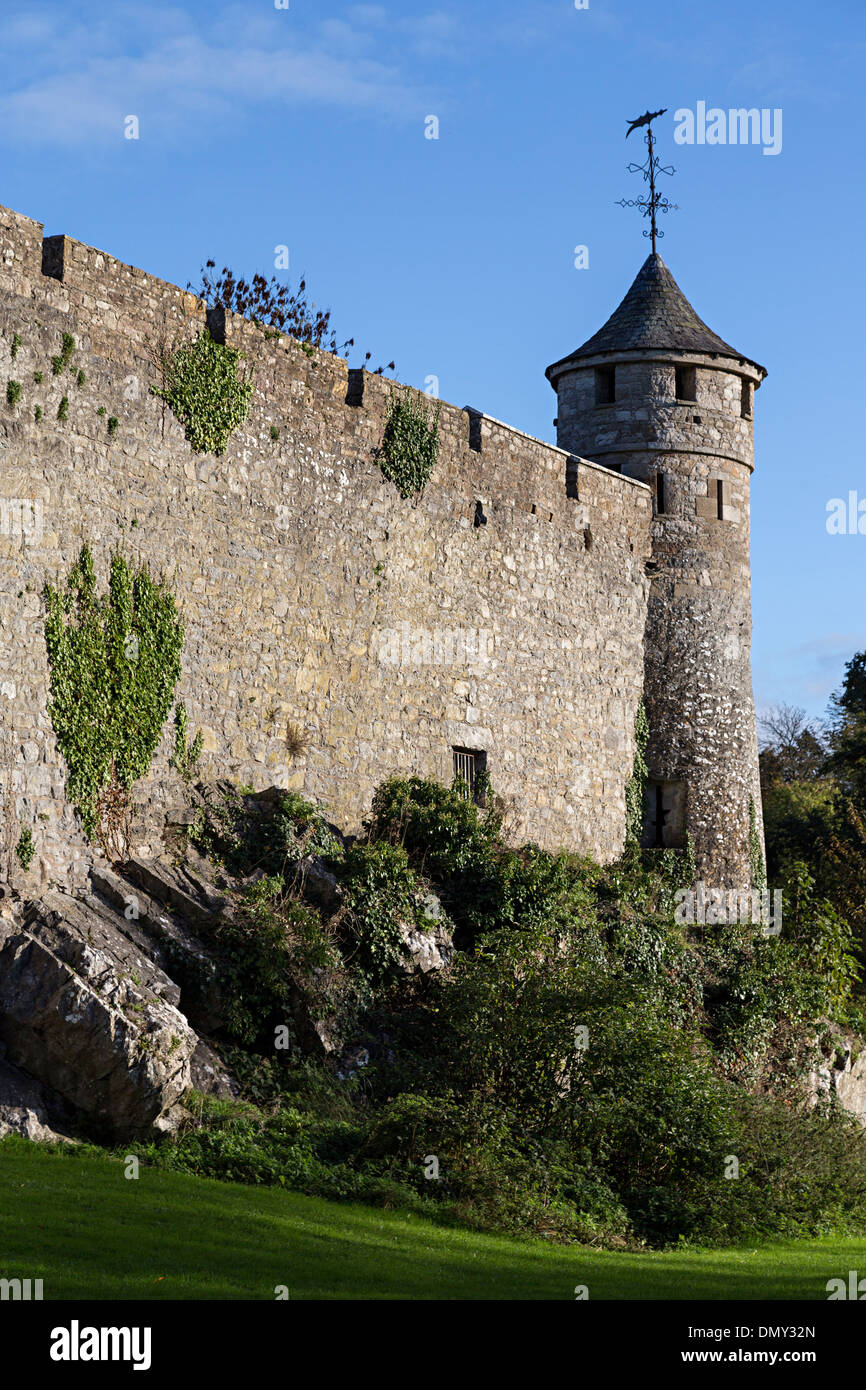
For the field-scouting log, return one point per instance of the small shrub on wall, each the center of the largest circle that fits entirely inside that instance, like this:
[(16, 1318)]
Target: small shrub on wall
[(202, 387), (410, 443)]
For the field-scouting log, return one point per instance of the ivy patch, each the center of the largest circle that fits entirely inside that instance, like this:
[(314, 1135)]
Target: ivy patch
[(634, 792), (410, 443), (202, 387), (114, 662)]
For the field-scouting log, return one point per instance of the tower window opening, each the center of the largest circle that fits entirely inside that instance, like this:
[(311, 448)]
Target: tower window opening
[(660, 494), (720, 498), (664, 815), (470, 774), (686, 383), (746, 399), (660, 815), (605, 385)]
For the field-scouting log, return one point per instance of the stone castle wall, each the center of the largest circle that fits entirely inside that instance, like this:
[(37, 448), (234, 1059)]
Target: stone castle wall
[(389, 631)]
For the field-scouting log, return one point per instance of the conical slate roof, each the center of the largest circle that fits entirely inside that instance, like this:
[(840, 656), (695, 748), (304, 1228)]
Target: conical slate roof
[(654, 314)]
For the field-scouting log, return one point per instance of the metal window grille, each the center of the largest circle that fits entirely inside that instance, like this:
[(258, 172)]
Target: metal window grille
[(468, 766), (464, 768)]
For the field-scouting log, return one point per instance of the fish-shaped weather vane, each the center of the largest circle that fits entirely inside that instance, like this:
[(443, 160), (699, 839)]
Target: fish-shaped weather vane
[(656, 202), (643, 120)]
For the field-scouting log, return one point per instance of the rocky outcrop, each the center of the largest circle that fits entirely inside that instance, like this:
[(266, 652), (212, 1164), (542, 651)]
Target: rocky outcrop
[(209, 1075), (842, 1075), (104, 995), (85, 1009), (431, 948), (143, 897), (28, 1109)]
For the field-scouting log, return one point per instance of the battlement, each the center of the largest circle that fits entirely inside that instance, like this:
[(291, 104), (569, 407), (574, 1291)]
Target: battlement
[(128, 310), (501, 611)]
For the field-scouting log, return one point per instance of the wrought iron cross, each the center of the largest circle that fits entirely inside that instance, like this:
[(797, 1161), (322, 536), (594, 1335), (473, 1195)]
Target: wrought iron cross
[(652, 165)]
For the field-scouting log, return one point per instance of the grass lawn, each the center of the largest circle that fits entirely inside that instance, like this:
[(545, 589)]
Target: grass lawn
[(90, 1233)]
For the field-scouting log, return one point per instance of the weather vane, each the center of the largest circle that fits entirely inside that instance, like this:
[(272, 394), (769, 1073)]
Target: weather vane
[(652, 165)]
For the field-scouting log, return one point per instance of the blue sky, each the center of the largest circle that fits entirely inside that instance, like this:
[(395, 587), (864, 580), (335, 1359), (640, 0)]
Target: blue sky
[(305, 126)]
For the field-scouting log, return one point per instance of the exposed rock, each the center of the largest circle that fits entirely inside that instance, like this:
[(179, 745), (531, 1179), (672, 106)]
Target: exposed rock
[(170, 1119), (209, 1075), (182, 815), (26, 1108), (843, 1075), (319, 886), (432, 949), (86, 1011), (180, 887), (319, 1036), (352, 1060), (165, 938)]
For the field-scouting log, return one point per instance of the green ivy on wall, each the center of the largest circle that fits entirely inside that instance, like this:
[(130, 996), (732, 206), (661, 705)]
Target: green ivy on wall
[(757, 867), (185, 756), (634, 791), (201, 385), (64, 357), (25, 849), (410, 443), (114, 662)]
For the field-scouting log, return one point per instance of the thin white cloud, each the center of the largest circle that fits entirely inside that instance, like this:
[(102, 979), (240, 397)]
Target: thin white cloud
[(808, 673), (374, 15), (86, 82)]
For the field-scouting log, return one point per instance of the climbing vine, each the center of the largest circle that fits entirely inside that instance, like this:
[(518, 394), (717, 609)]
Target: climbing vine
[(64, 357), (635, 789), (185, 757), (202, 387), (25, 849), (114, 662), (410, 443), (757, 867)]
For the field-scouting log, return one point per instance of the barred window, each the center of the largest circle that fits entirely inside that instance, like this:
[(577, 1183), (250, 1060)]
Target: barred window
[(470, 772)]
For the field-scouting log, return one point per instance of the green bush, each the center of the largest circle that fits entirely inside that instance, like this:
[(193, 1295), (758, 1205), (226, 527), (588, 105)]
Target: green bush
[(271, 949), (201, 385), (410, 443), (458, 845), (382, 896), (587, 1067), (249, 833)]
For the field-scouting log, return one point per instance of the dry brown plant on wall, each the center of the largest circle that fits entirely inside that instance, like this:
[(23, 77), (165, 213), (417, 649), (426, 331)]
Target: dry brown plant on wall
[(297, 739)]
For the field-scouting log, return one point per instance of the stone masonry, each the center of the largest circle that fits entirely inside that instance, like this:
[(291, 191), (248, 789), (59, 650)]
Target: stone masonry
[(656, 395), (503, 611)]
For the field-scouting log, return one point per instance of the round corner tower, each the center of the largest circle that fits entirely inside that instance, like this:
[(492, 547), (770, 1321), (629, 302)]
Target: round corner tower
[(656, 395)]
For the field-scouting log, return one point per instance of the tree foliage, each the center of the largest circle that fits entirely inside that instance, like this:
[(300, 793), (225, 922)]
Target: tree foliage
[(273, 304)]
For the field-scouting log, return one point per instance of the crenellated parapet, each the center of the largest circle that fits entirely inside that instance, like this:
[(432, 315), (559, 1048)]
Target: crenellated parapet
[(502, 611)]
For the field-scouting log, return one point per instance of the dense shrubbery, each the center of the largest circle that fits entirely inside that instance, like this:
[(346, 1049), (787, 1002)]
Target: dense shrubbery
[(585, 1067), (484, 884), (813, 785)]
